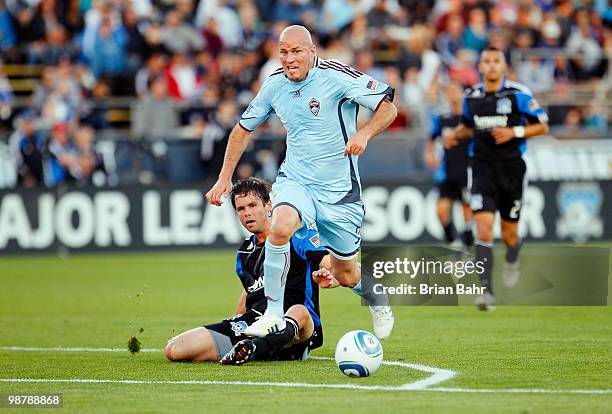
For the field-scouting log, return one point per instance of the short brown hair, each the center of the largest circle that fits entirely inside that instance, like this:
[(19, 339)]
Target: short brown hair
[(251, 185)]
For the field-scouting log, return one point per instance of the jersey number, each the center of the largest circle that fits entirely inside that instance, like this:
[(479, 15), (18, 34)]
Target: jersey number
[(514, 211)]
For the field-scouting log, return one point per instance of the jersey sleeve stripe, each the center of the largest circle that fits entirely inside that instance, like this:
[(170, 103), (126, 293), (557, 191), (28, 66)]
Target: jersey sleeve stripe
[(324, 66), (340, 66)]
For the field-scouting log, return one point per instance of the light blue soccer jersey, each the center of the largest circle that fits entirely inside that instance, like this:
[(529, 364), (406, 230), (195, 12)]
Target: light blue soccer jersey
[(320, 115)]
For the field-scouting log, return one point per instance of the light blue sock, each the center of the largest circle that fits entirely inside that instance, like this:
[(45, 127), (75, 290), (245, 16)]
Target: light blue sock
[(357, 289), (276, 268), (369, 296)]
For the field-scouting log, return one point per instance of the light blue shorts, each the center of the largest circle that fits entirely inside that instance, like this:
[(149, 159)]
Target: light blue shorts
[(339, 225)]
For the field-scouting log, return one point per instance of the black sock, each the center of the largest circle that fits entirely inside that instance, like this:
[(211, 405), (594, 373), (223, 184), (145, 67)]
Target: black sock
[(513, 252), (484, 255), (449, 232), (467, 238), (276, 341)]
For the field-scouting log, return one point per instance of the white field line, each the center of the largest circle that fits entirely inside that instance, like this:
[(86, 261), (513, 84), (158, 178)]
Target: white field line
[(438, 375), (306, 385)]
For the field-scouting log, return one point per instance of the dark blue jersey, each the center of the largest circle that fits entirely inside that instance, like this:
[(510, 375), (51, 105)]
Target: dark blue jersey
[(512, 105), (456, 159), (306, 254)]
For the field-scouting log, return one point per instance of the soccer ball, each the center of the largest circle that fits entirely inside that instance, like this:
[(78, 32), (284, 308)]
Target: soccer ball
[(359, 354)]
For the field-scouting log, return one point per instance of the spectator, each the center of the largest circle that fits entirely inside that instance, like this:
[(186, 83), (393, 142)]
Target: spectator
[(8, 39), (595, 116), (535, 74), (154, 115), (499, 40), (214, 42), (6, 96), (551, 32), (475, 36), (359, 38), (27, 143), (136, 48), (154, 67), (413, 96), (378, 17), (451, 40), (562, 71), (252, 31), (584, 51), (216, 135), (109, 57), (56, 46), (29, 28), (179, 37), (182, 78), (71, 17), (88, 160), (464, 71), (95, 111), (44, 88), (185, 9), (60, 105), (573, 120), (228, 21), (61, 156)]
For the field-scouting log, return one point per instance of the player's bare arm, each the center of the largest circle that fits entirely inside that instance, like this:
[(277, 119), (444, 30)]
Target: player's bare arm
[(429, 156), (323, 276), (238, 141), (453, 137), (503, 135), (383, 117)]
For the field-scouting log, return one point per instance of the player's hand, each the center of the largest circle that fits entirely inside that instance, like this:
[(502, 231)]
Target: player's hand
[(502, 135), (450, 140), (324, 279), (356, 145), (221, 187), (431, 161)]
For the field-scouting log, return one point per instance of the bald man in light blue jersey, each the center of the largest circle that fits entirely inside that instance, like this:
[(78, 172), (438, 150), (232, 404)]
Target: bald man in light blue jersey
[(318, 184)]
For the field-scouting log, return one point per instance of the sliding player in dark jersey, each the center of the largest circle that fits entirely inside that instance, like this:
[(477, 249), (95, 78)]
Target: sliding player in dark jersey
[(451, 171), (303, 331), (500, 115)]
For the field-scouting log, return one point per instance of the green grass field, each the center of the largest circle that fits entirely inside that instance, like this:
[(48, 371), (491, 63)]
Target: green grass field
[(99, 301)]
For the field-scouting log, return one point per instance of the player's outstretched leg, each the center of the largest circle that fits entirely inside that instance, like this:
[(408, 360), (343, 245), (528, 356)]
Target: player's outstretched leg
[(299, 327), (512, 265), (285, 222), (484, 255), (348, 273), (250, 349), (241, 353)]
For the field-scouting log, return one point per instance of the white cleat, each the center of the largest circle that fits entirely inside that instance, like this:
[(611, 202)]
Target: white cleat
[(383, 320), (265, 325), (485, 302), (511, 274)]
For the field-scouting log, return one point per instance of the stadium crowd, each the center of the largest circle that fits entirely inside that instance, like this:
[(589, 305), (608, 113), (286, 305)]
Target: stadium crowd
[(189, 67)]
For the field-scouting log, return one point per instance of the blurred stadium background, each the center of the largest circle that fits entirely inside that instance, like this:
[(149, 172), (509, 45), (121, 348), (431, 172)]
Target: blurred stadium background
[(114, 114)]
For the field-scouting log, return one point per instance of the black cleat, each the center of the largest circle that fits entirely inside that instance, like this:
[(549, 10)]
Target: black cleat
[(241, 353)]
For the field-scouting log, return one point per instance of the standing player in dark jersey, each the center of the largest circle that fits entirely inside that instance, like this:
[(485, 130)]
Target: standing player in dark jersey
[(452, 169), (500, 115), (303, 331)]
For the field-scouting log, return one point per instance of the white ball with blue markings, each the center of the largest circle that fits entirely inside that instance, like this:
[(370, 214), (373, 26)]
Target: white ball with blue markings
[(359, 354)]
